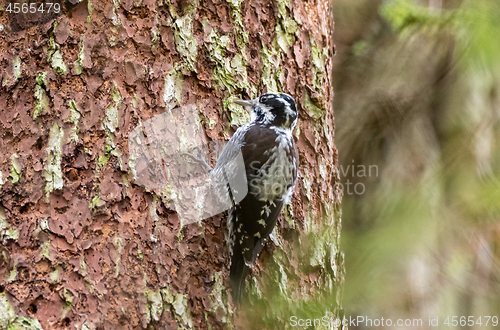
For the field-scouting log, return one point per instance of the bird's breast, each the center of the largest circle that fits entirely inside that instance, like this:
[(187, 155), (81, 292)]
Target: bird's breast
[(272, 177)]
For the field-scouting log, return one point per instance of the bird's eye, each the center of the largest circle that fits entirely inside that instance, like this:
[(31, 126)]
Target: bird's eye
[(264, 98)]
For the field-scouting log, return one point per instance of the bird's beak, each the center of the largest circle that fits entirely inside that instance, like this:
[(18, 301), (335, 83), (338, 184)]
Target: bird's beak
[(248, 105)]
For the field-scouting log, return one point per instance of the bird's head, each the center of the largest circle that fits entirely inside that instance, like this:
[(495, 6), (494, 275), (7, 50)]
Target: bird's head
[(275, 109)]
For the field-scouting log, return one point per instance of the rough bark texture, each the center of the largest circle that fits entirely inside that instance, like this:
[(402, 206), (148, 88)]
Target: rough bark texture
[(82, 245)]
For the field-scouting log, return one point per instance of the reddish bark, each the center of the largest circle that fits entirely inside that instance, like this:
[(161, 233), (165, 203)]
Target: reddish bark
[(99, 251)]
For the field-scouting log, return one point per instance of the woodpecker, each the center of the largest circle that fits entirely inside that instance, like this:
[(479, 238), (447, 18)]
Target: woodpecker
[(270, 157)]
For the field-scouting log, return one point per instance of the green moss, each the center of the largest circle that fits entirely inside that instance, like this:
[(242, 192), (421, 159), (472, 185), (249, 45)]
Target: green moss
[(10, 321), (204, 120), (168, 196), (182, 310), (179, 304), (7, 313), (317, 257), (83, 271), (219, 300), (55, 58), (96, 202), (16, 66), (287, 27), (41, 102), (74, 113), (211, 123), (239, 116), (78, 64), (52, 48), (314, 111), (83, 267), (44, 224), (110, 123), (115, 19), (90, 9), (185, 42), (153, 208), (55, 276), (11, 276), (16, 71), (239, 29), (89, 286), (11, 233), (42, 80), (126, 181), (53, 173), (282, 279), (217, 44), (74, 118), (155, 32), (319, 55), (103, 159), (172, 91), (7, 232), (118, 243), (224, 79), (307, 185), (228, 74), (100, 162), (275, 295), (154, 305), (24, 323), (15, 170), (45, 250), (88, 326), (162, 299), (271, 71), (58, 63), (134, 101), (168, 298), (68, 297), (255, 293), (112, 38), (288, 214)]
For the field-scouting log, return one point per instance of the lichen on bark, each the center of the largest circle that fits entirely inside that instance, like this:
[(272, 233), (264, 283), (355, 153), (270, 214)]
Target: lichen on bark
[(53, 172)]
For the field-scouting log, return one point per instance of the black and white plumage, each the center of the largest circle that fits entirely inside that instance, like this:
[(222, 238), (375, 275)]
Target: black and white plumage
[(271, 159)]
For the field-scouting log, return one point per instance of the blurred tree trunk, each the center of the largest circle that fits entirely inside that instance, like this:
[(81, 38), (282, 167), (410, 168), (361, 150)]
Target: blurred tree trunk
[(83, 245)]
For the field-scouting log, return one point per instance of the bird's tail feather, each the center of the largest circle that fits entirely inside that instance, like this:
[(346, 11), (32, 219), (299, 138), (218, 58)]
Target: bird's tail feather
[(237, 274)]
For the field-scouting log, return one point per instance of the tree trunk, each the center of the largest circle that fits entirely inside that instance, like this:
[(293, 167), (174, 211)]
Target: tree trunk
[(84, 245)]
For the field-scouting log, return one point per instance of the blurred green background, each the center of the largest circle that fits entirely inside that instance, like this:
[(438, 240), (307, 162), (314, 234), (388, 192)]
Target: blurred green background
[(417, 98)]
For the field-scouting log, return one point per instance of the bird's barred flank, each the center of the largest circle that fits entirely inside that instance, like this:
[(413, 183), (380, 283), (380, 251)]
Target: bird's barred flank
[(281, 173)]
